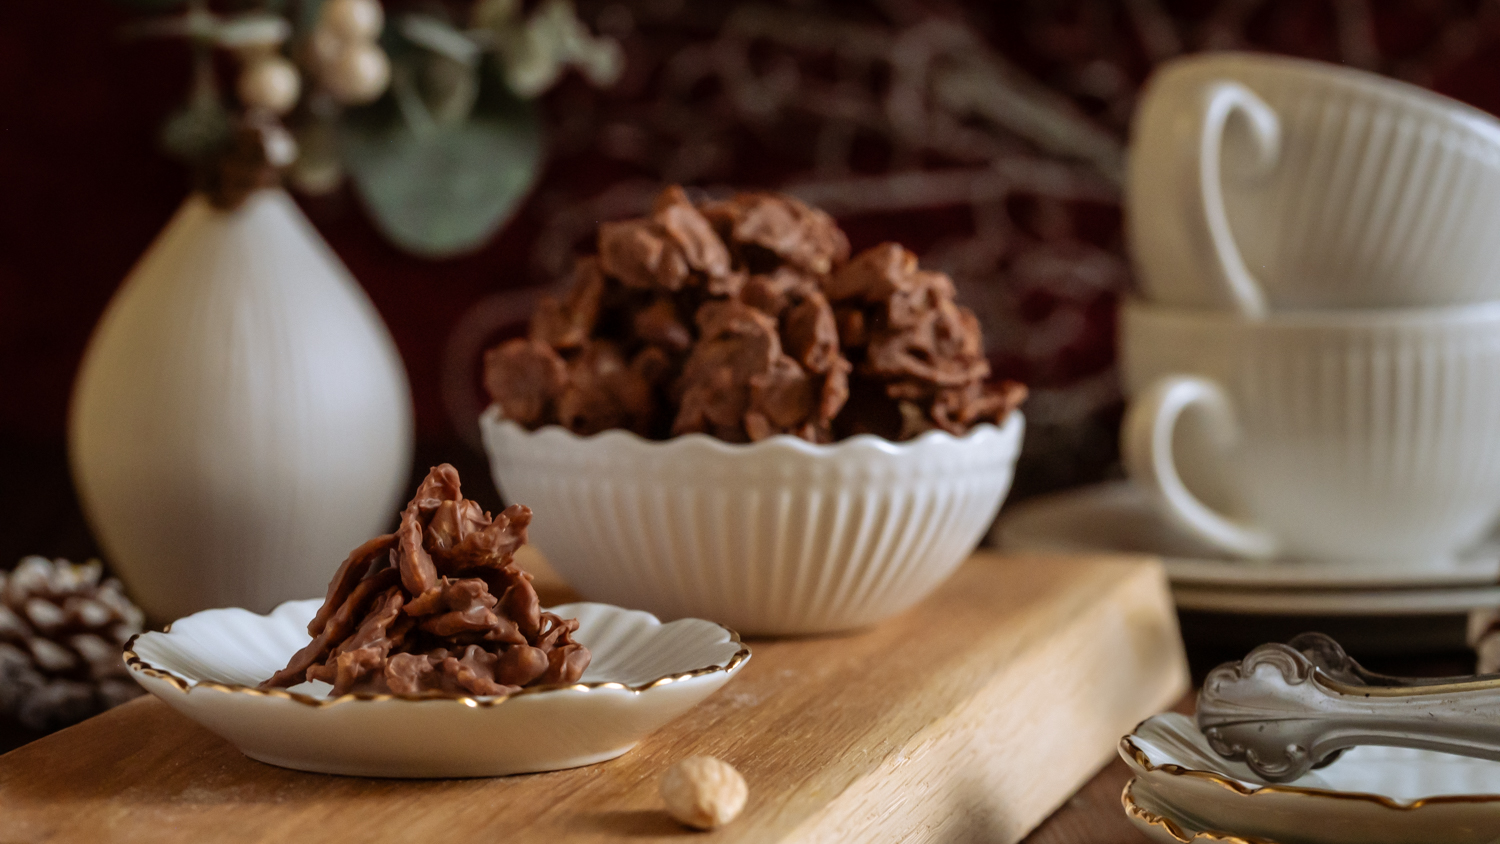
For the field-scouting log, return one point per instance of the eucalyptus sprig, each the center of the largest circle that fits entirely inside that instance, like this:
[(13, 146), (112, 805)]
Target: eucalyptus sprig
[(432, 119)]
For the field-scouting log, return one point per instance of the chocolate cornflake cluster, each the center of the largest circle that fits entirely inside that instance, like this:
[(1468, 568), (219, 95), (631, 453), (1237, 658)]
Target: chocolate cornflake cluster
[(744, 319), (437, 606), (918, 355)]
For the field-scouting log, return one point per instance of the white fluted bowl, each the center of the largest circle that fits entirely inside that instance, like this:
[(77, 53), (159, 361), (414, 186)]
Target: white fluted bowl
[(643, 674), (779, 537)]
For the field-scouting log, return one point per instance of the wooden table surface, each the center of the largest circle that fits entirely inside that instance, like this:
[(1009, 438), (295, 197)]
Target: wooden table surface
[(44, 517), (966, 719), (1093, 815)]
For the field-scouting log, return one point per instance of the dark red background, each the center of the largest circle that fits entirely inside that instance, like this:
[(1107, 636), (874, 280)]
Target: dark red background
[(83, 189)]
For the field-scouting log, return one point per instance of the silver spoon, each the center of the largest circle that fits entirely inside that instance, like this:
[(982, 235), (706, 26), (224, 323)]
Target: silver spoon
[(1286, 709)]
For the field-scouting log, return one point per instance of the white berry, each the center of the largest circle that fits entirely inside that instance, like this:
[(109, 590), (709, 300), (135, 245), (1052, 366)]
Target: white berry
[(358, 74), (353, 20), (270, 82), (279, 145), (703, 792), (325, 45)]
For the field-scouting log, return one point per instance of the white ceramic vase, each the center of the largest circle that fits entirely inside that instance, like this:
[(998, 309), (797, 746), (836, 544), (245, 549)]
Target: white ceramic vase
[(241, 418)]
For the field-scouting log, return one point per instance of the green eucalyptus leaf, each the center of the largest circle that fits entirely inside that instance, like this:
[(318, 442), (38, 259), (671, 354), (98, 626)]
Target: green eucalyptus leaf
[(444, 189), (438, 35), (252, 29), (197, 130), (449, 89), (305, 15)]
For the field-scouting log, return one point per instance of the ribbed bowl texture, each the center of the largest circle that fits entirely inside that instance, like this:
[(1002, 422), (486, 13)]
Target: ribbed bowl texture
[(1362, 435), (643, 674), (779, 537)]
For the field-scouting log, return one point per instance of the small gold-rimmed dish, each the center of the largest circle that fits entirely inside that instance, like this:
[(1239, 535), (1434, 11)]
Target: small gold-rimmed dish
[(1159, 824), (643, 674), (1370, 795)]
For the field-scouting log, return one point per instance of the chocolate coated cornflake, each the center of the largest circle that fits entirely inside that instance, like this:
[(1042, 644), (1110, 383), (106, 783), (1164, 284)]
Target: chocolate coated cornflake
[(745, 319), (437, 606), (804, 237), (527, 378), (739, 384), (663, 251), (918, 356)]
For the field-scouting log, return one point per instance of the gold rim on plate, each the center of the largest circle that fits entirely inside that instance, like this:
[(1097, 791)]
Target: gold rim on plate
[(1146, 816), (1130, 749), (134, 662)]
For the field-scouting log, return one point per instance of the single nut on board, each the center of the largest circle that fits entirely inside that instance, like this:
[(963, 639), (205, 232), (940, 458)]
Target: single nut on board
[(703, 792)]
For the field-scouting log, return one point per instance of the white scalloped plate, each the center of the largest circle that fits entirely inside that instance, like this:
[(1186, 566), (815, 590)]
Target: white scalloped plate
[(1370, 795), (643, 674)]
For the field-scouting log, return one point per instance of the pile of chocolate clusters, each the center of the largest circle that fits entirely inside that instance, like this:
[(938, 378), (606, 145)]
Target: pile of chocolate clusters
[(437, 607), (744, 319)]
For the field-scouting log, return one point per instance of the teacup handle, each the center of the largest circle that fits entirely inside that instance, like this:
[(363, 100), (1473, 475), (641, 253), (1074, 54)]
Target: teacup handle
[(1221, 100), (1146, 443)]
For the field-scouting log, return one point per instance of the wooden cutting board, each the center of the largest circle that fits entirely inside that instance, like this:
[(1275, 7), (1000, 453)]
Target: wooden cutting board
[(969, 718)]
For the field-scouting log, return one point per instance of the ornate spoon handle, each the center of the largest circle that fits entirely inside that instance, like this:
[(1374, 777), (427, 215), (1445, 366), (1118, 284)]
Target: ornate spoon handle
[(1286, 709)]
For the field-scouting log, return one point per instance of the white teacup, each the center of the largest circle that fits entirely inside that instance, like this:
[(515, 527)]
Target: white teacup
[(1333, 435), (1338, 189)]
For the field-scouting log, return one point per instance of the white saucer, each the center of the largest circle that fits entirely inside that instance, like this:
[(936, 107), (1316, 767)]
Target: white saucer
[(1370, 795), (1117, 517), (1326, 602), (643, 674)]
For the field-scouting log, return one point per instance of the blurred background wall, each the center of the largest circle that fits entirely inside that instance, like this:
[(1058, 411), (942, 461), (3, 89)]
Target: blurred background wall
[(988, 137)]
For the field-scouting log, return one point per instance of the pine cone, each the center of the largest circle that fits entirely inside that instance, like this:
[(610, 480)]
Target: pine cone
[(61, 635)]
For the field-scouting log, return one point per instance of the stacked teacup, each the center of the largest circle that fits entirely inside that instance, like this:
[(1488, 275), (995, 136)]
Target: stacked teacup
[(1314, 367)]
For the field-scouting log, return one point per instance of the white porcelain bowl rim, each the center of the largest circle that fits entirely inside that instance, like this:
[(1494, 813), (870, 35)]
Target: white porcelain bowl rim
[(1142, 758), (1322, 318), (187, 685), (619, 437)]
